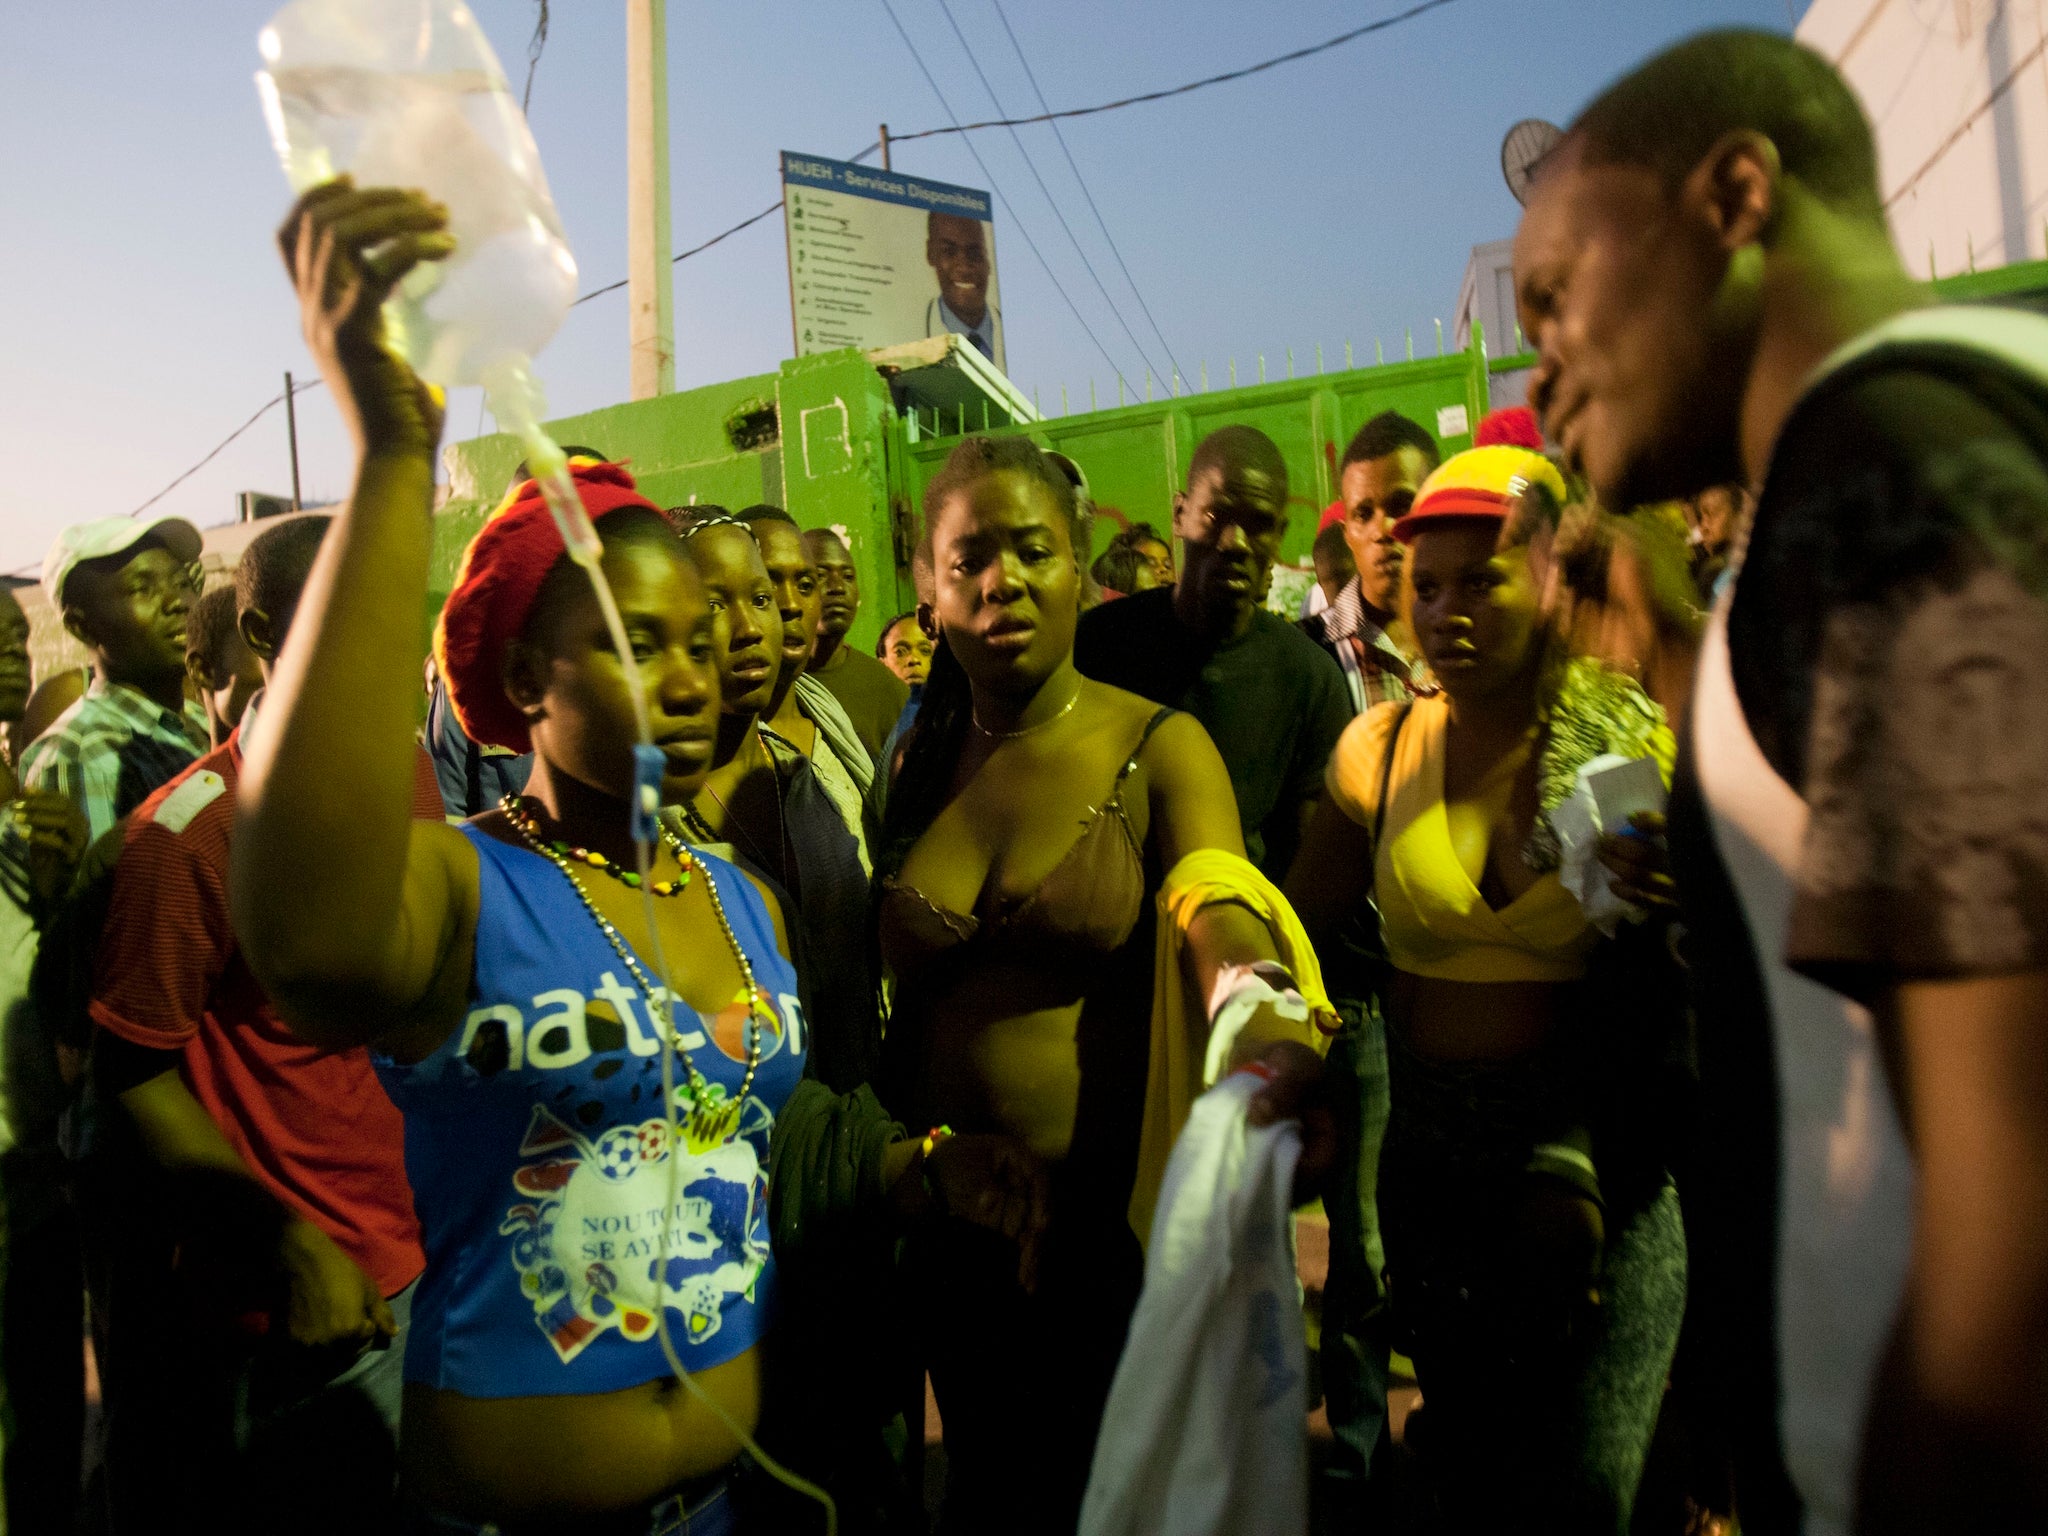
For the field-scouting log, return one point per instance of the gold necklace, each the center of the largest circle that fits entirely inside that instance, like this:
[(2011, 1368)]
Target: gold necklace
[(709, 1123), (1053, 719)]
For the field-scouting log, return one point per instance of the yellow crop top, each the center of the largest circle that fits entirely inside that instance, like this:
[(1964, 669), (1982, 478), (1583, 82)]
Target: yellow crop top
[(1433, 917)]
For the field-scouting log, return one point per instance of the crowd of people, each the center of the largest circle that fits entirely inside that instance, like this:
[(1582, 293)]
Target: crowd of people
[(434, 1149)]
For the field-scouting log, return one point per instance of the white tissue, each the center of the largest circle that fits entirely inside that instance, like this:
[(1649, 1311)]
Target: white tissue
[(1609, 791)]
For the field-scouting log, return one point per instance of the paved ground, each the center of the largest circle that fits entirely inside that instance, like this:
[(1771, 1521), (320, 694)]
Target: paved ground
[(1312, 1241)]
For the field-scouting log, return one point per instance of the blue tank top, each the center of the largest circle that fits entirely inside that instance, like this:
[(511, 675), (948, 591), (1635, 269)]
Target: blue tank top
[(534, 1139)]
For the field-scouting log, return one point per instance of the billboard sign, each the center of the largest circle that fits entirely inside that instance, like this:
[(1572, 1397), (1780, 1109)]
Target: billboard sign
[(877, 258)]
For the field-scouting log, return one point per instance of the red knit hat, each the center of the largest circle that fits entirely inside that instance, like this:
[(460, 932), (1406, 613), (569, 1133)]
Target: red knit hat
[(1512, 426), (495, 589), (1332, 514)]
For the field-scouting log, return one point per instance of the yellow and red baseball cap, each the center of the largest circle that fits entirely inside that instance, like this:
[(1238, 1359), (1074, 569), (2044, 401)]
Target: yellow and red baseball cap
[(1481, 483)]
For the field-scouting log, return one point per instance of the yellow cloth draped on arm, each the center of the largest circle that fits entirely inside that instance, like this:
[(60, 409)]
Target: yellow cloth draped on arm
[(1180, 1018)]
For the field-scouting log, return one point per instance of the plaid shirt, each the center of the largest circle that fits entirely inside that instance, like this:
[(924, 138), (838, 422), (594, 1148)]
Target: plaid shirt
[(111, 750), (1375, 669)]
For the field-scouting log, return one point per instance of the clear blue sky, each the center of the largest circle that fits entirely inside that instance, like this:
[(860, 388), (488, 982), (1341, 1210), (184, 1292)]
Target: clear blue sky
[(145, 313)]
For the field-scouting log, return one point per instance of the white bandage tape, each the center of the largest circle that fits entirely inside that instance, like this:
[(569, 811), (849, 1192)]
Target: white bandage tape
[(1239, 992)]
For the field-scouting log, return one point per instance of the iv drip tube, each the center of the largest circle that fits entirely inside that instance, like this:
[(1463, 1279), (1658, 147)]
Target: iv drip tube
[(515, 401)]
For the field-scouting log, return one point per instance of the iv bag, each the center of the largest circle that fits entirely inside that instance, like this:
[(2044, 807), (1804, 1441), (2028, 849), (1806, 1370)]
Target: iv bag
[(407, 93)]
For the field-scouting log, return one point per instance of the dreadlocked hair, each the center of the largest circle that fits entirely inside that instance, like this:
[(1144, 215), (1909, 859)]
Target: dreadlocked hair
[(946, 707)]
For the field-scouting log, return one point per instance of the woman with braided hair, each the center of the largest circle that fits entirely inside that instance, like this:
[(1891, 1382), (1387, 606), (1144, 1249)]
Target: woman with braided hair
[(1048, 843)]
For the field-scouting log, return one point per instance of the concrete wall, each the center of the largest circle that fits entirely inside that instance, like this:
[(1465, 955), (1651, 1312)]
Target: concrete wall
[(1958, 93)]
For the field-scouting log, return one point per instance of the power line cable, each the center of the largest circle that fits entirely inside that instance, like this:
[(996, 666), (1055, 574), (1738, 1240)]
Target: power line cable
[(1956, 134), (1164, 345), (261, 411), (722, 235), (1049, 116), (1181, 90), (534, 48), (540, 38), (1032, 166), (1051, 276)]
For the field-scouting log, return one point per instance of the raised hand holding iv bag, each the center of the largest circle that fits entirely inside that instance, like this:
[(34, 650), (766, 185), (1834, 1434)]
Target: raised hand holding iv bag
[(408, 93)]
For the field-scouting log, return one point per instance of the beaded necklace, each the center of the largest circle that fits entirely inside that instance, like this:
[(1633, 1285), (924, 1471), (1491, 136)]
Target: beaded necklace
[(709, 1122), (528, 826)]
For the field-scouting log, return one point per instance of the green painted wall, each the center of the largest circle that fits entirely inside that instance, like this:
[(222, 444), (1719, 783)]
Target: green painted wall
[(837, 451), (828, 465), (842, 454), (1136, 457)]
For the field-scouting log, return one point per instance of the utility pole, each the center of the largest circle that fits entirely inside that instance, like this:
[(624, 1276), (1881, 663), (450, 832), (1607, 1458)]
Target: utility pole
[(291, 427), (885, 147), (650, 252)]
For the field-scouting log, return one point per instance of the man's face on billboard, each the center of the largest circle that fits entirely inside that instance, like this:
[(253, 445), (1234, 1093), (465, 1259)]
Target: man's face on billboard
[(958, 253)]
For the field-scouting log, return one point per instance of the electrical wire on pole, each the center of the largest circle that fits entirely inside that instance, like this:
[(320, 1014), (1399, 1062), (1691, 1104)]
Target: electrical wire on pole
[(1193, 85), (1022, 229), (1031, 165), (261, 411), (1053, 117), (1081, 181), (1047, 116), (725, 234)]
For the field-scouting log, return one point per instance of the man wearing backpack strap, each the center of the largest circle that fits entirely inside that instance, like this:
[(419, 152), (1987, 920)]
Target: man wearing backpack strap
[(1860, 822)]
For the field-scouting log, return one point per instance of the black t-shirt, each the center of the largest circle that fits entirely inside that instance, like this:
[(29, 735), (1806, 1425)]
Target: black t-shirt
[(872, 696), (1886, 643), (1272, 700), (1887, 639)]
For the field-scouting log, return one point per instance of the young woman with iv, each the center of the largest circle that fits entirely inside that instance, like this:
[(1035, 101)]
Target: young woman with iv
[(592, 1234)]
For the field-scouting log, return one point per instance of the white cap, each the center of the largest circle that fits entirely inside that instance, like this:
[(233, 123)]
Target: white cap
[(113, 536)]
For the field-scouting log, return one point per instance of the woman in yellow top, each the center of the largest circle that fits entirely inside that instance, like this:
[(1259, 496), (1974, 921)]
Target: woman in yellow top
[(1535, 1259)]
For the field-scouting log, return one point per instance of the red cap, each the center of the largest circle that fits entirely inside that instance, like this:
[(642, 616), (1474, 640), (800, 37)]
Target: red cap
[(496, 587), (1480, 482), (1332, 514)]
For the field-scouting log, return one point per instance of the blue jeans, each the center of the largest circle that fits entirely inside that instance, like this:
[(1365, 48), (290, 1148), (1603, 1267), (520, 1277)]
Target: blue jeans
[(704, 1514), (1356, 1323)]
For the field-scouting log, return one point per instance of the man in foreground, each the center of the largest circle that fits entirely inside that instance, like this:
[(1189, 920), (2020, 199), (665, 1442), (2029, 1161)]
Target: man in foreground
[(1705, 273), (1273, 703)]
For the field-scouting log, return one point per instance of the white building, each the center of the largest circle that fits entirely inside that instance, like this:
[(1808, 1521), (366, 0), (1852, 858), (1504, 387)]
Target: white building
[(1487, 295), (1958, 93)]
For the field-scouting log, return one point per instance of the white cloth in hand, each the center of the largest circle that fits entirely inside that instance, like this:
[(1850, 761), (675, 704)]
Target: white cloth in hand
[(1206, 1429)]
